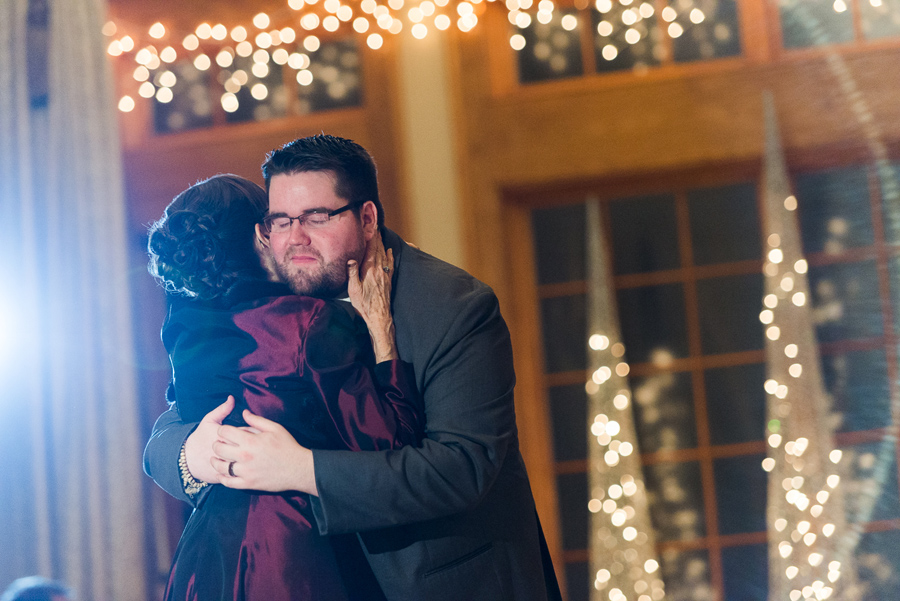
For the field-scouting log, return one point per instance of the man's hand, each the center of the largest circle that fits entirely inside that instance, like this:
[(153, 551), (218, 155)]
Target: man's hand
[(369, 289), (198, 446), (263, 457)]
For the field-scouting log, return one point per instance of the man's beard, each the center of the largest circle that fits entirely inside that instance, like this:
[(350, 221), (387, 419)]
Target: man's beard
[(327, 281)]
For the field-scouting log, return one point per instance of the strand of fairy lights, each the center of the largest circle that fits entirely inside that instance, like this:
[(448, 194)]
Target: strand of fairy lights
[(616, 14), (215, 42), (304, 23), (622, 541), (808, 494), (621, 501), (890, 191), (863, 114)]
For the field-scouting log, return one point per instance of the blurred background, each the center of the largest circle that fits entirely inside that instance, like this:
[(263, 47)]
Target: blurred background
[(511, 139)]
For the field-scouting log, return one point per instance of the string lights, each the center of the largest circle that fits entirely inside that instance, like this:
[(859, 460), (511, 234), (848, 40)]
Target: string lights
[(805, 499), (286, 38), (623, 554)]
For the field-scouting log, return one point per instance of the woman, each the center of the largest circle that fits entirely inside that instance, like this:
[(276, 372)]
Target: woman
[(305, 363)]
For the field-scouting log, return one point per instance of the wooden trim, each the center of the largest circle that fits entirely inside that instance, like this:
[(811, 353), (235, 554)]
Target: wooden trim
[(381, 88), (576, 555), (502, 62), (698, 383), (756, 31), (856, 14), (524, 93), (532, 407)]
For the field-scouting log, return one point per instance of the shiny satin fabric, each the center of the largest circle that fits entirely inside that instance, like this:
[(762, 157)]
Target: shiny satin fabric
[(307, 364)]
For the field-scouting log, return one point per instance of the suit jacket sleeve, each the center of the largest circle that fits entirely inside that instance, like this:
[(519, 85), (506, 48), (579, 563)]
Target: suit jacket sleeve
[(161, 455), (470, 423)]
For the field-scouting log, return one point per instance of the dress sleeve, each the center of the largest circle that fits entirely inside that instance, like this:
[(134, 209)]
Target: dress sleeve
[(372, 409), (395, 380)]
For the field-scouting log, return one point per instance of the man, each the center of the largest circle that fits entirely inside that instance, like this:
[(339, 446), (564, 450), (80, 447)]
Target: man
[(451, 519)]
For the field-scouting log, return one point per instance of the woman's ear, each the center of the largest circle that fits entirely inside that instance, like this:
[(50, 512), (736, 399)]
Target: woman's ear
[(368, 215)]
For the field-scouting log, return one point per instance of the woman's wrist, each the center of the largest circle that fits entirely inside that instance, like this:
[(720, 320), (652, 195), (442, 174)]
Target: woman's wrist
[(384, 343)]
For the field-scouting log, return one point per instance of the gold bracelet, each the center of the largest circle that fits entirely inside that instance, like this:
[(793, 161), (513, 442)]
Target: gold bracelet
[(190, 484)]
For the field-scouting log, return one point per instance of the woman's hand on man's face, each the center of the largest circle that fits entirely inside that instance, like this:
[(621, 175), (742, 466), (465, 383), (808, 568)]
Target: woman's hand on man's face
[(369, 289)]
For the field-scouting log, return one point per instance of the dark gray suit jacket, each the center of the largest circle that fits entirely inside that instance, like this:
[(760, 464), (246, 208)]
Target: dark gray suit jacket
[(454, 518)]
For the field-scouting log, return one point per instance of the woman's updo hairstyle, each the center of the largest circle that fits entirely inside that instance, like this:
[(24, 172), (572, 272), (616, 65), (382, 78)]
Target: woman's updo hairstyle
[(204, 243)]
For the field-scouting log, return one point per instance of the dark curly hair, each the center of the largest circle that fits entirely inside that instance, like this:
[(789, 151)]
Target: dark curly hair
[(204, 242)]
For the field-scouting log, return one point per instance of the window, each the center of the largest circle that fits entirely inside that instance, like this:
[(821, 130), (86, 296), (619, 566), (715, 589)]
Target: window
[(816, 23), (265, 85), (616, 35), (605, 36), (687, 272)]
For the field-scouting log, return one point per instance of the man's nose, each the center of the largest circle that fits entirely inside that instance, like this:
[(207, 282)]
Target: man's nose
[(298, 235)]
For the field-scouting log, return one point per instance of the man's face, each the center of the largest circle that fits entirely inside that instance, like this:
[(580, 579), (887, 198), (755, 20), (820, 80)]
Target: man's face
[(312, 260)]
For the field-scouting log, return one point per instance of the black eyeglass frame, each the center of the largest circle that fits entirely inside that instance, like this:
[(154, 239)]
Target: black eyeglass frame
[(267, 228)]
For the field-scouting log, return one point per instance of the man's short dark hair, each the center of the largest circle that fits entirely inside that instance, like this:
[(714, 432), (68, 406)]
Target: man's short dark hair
[(36, 588), (353, 168)]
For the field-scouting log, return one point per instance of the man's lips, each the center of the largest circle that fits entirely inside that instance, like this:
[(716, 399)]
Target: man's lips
[(304, 259)]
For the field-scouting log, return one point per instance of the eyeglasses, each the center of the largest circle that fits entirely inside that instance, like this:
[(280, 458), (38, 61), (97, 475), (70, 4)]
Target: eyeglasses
[(281, 224)]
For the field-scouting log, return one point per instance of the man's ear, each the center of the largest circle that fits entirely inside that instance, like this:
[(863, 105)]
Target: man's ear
[(261, 240), (368, 215), (264, 251)]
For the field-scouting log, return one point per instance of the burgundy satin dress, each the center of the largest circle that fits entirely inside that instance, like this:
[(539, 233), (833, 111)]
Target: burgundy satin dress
[(307, 364)]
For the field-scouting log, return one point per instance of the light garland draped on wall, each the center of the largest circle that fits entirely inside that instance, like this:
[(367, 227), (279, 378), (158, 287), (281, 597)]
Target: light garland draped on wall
[(69, 442), (806, 518), (622, 542)]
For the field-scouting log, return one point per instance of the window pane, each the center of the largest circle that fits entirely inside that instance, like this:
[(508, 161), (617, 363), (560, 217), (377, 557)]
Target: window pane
[(740, 494), (337, 80), (878, 565), (871, 492), (625, 37), (568, 410), (253, 105), (894, 269), (729, 313), (551, 51), (190, 107), (724, 224), (676, 500), (736, 403), (578, 581), (858, 382), (704, 30), (834, 22), (644, 234), (559, 243), (575, 518), (846, 304), (880, 18), (746, 573), (652, 322), (835, 211), (686, 575), (564, 326), (664, 412), (888, 182)]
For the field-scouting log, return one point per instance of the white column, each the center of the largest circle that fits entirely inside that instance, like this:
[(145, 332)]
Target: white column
[(428, 146)]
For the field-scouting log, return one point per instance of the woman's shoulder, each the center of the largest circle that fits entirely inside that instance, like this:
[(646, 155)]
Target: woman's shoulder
[(304, 310), (310, 309)]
